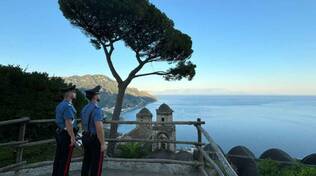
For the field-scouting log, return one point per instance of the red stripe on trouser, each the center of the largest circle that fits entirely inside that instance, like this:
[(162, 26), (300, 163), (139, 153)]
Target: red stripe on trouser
[(70, 149), (100, 164)]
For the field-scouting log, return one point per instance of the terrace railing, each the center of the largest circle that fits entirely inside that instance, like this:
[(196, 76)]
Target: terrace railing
[(205, 163)]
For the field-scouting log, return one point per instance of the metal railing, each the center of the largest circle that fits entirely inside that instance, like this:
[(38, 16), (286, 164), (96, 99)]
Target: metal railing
[(222, 166)]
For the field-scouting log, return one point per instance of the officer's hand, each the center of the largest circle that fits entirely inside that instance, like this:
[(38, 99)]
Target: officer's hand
[(103, 148), (72, 141)]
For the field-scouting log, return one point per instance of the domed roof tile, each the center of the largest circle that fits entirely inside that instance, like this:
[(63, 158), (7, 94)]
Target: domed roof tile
[(144, 111), (164, 108)]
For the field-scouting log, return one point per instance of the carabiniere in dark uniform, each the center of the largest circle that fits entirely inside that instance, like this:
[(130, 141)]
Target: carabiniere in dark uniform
[(93, 136), (65, 132)]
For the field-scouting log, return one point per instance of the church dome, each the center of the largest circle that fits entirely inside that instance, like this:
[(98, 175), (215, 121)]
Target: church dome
[(164, 108), (144, 112)]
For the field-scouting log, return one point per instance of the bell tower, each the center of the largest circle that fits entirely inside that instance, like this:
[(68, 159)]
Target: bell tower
[(163, 130), (144, 115)]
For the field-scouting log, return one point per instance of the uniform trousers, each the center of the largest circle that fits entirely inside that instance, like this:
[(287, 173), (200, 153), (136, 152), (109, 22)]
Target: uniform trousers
[(63, 153), (93, 157)]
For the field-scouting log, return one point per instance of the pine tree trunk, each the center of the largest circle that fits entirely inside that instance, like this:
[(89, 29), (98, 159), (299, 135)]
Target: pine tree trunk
[(116, 116)]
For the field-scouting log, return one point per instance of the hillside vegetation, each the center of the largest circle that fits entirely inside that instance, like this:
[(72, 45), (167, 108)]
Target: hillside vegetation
[(34, 95), (30, 94)]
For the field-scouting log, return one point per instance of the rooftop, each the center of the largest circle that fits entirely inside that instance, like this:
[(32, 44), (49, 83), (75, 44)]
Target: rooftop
[(164, 108), (144, 112)]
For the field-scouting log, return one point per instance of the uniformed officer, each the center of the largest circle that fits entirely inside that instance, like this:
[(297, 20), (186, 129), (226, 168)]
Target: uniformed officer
[(65, 136), (93, 135)]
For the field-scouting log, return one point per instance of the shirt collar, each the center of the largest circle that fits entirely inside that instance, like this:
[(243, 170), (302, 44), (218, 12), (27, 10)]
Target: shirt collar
[(94, 104), (67, 101)]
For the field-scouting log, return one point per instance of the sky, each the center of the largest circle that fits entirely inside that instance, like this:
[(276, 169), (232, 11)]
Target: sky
[(240, 46)]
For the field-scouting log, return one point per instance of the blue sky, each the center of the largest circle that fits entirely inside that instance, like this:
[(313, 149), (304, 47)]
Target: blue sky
[(248, 46)]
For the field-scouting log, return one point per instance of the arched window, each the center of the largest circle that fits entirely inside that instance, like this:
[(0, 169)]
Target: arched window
[(163, 145)]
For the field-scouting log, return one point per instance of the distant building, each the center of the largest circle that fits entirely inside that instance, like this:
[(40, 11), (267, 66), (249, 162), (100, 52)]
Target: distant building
[(162, 130)]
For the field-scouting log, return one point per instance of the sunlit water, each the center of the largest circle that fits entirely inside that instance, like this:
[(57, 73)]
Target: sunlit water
[(257, 122)]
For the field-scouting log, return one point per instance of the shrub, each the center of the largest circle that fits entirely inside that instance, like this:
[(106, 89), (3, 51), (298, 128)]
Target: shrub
[(272, 168), (269, 168), (132, 150)]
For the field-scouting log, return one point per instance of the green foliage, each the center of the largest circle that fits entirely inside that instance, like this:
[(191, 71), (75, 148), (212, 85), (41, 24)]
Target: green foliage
[(269, 168), (33, 95), (183, 68), (7, 156), (272, 168), (132, 150), (140, 25), (308, 172), (44, 152)]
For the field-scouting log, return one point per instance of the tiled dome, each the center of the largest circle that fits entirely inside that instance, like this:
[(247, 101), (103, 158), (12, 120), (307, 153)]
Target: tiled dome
[(164, 108), (144, 112)]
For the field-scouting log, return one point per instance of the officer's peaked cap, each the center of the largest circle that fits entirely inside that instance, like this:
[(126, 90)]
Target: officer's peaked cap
[(93, 91), (67, 89)]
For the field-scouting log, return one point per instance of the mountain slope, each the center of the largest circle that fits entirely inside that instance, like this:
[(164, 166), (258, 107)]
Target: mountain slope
[(133, 98)]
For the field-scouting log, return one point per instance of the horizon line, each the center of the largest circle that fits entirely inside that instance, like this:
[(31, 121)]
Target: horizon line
[(288, 95)]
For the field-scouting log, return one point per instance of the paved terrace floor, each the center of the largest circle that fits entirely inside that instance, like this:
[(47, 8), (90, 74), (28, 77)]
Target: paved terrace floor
[(115, 168), (113, 172)]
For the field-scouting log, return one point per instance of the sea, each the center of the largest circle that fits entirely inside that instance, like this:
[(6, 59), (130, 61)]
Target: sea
[(256, 122)]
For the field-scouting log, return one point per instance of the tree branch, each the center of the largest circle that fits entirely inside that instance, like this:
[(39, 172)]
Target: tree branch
[(152, 73), (111, 49), (108, 55), (138, 57), (152, 58), (116, 39), (132, 74)]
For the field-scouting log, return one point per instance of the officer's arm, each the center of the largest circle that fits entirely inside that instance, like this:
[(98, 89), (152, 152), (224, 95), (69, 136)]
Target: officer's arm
[(69, 116), (70, 131), (99, 128), (100, 132)]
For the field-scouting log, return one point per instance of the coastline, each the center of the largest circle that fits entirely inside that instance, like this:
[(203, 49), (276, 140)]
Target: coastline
[(242, 120), (129, 109)]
